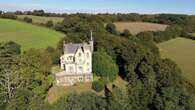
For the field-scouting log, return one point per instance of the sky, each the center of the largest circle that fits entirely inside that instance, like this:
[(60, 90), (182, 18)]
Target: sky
[(102, 6)]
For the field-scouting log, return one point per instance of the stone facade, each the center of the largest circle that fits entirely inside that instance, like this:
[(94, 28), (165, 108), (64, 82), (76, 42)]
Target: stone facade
[(76, 63)]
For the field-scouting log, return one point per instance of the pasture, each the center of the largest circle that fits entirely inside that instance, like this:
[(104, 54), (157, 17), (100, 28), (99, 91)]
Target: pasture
[(41, 19), (182, 51), (28, 35), (136, 27)]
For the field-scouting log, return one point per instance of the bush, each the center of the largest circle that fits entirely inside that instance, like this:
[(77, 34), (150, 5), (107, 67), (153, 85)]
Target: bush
[(28, 20), (111, 28), (8, 15), (98, 86), (126, 33), (49, 24)]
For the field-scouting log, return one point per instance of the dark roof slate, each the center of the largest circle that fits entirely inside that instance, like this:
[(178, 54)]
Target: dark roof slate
[(72, 48)]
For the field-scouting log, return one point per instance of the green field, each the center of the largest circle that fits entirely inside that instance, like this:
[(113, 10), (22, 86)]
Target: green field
[(182, 51), (28, 35), (41, 19)]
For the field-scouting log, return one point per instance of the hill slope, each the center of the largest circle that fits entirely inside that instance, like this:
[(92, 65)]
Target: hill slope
[(41, 19), (27, 35), (136, 27), (182, 51)]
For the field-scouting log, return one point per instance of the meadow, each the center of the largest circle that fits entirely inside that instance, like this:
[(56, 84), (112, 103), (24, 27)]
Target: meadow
[(136, 27), (28, 35), (182, 51), (41, 19)]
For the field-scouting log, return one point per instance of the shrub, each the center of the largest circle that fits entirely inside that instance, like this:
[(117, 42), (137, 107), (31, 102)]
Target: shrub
[(28, 20), (49, 24), (126, 33), (8, 15), (111, 28), (98, 86)]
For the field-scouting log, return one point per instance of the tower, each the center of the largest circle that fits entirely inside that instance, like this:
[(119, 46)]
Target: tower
[(91, 40)]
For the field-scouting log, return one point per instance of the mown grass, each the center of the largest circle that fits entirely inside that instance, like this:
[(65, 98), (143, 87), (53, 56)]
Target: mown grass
[(182, 51), (28, 35), (41, 19), (136, 27)]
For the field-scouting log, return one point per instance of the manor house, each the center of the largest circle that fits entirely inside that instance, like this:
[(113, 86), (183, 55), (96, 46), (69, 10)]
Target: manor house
[(76, 63)]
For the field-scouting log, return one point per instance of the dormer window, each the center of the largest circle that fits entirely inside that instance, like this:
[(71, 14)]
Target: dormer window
[(70, 58)]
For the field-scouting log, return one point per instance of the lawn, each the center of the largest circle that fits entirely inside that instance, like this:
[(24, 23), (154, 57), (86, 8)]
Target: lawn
[(41, 19), (28, 35), (182, 51), (136, 27), (57, 92)]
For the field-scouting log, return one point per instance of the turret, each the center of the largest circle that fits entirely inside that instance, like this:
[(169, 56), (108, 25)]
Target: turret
[(91, 41)]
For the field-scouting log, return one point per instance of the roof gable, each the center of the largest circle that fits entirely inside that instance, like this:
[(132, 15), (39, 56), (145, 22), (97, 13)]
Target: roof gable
[(72, 48)]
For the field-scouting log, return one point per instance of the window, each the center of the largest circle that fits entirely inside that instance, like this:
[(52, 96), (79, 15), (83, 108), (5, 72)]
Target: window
[(70, 69), (80, 79), (87, 55), (88, 70), (79, 54), (70, 58), (64, 67), (87, 63), (80, 69)]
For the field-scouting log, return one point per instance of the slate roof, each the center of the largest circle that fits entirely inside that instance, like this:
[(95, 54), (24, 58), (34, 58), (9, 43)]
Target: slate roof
[(72, 48)]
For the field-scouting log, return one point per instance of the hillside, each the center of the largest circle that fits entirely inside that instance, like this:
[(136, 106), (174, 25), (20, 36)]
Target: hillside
[(182, 51), (136, 27), (41, 19), (28, 35), (56, 92)]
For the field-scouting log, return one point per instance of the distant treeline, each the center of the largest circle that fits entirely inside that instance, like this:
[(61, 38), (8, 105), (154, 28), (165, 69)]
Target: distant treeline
[(83, 22), (186, 21)]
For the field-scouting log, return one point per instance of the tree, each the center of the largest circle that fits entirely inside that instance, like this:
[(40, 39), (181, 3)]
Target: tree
[(38, 12), (98, 86), (25, 99), (55, 54), (104, 66), (118, 99), (49, 24), (10, 77), (84, 101), (145, 36), (111, 28), (21, 100), (126, 33), (8, 15), (36, 68), (28, 20), (10, 81)]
